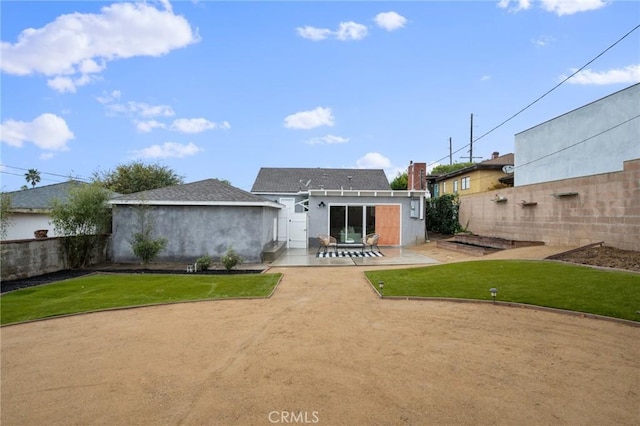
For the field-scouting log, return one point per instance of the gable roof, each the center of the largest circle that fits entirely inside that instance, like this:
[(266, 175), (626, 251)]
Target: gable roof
[(41, 197), (294, 180), (204, 192), (492, 164)]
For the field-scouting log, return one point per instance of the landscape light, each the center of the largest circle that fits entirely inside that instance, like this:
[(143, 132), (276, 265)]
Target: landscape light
[(494, 293)]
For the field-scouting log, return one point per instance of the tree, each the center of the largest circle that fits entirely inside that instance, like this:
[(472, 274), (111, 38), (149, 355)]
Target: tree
[(137, 176), (144, 246), (443, 169), (82, 219), (401, 182), (32, 176), (5, 213)]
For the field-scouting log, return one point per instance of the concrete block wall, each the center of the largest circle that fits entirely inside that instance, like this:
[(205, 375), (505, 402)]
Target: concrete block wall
[(606, 208), (30, 258)]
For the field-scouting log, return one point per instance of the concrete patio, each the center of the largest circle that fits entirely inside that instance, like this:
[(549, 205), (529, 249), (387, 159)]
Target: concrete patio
[(392, 256)]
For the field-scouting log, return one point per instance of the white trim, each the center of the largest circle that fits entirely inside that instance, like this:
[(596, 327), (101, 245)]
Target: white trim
[(366, 193), (198, 203)]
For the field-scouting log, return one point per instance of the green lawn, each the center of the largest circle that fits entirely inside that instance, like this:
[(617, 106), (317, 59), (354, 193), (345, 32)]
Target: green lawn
[(94, 292), (543, 283)]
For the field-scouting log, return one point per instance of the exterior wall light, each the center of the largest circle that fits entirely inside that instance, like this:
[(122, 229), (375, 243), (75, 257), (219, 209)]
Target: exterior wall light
[(321, 205)]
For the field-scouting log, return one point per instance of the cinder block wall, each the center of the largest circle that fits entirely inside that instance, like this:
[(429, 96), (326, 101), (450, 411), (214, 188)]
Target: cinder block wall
[(606, 208), (30, 258)]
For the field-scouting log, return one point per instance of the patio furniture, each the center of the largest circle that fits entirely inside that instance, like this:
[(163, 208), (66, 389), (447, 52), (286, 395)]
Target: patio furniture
[(327, 241), (370, 240)]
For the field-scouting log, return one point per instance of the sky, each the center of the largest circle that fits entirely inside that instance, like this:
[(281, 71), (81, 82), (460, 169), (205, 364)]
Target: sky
[(219, 89)]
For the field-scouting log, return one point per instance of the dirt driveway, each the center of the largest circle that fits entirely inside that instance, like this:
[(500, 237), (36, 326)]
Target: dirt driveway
[(323, 350)]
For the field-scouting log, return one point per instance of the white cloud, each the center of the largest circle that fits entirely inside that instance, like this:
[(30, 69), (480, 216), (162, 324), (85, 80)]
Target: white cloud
[(109, 97), (390, 21), (569, 7), (147, 126), (48, 132), (69, 85), (197, 125), (78, 44), (351, 31), (373, 160), (327, 140), (309, 119), (519, 5), (346, 31), (543, 41), (626, 75), (168, 150), (146, 110), (559, 7), (313, 33), (485, 77)]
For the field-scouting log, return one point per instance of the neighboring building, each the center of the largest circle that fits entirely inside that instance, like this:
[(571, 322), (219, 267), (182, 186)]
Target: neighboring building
[(593, 139), (31, 208), (344, 203), (479, 177), (200, 218)]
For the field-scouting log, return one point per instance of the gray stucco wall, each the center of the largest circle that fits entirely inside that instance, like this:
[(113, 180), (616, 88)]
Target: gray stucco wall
[(193, 231), (412, 229), (587, 141)]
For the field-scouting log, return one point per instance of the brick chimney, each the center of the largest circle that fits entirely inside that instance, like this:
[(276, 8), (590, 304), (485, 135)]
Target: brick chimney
[(417, 176), (495, 155)]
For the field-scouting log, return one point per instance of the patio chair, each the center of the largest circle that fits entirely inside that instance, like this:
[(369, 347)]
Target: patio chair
[(370, 240), (327, 241)]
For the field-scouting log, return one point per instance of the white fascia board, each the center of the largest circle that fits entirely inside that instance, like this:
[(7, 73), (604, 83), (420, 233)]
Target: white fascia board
[(197, 203), (367, 193)]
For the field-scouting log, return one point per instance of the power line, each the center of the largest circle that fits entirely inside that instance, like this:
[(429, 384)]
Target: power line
[(67, 177), (546, 93), (567, 147)]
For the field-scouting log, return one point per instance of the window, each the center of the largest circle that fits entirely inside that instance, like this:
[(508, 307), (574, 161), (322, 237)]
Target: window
[(455, 185), (444, 187), (466, 183)]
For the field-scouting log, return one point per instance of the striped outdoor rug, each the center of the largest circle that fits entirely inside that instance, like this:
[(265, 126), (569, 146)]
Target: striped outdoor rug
[(350, 253)]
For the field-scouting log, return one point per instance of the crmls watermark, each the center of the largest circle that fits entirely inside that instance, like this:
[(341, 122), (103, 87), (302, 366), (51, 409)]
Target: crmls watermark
[(290, 417)]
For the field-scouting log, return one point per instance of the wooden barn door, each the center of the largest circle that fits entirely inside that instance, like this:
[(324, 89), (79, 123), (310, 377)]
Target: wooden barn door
[(388, 225)]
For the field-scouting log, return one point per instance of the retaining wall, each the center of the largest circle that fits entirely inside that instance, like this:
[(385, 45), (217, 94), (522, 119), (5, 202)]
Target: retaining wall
[(584, 210)]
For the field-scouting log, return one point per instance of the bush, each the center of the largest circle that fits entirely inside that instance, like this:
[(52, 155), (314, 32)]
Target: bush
[(442, 214), (202, 263), (231, 259), (145, 248)]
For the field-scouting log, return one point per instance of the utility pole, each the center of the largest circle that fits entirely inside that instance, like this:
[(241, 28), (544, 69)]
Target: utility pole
[(450, 153), (471, 141)]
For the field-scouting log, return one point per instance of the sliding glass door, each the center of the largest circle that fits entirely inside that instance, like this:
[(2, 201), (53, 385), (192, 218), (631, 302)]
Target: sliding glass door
[(348, 224)]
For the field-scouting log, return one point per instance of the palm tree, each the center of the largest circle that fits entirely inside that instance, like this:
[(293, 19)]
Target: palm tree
[(33, 176)]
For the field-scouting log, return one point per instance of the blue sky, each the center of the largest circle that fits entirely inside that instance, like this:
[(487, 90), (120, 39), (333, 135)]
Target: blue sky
[(220, 89)]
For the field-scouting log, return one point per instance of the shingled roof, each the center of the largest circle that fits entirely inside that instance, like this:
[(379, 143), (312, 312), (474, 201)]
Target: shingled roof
[(40, 198), (204, 192), (294, 180)]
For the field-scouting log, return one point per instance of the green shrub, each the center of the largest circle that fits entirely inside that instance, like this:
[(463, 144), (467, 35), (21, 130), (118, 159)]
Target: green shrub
[(231, 259), (203, 262), (145, 248)]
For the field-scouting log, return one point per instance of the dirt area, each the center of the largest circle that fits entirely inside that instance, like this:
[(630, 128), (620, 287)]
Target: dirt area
[(604, 256), (323, 350)]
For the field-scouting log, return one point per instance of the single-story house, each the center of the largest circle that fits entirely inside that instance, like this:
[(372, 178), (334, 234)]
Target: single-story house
[(30, 209), (200, 218), (343, 203)]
